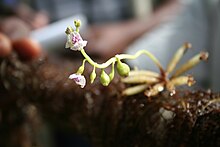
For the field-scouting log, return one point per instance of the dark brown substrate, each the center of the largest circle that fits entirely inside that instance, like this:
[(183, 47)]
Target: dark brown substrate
[(40, 91)]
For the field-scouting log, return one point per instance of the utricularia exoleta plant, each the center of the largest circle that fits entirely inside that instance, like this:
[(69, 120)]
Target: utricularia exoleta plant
[(149, 82)]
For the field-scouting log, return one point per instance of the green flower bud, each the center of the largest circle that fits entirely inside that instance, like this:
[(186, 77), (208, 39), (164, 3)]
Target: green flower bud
[(122, 68), (80, 70), (92, 76), (104, 78), (77, 23), (69, 30)]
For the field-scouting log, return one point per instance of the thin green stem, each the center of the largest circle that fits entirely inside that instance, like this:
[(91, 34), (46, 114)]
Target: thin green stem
[(77, 29), (84, 61), (137, 54), (122, 56), (112, 73), (102, 66), (81, 68)]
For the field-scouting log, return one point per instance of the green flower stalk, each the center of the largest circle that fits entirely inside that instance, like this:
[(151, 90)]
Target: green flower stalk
[(112, 73), (81, 68), (149, 82), (76, 43)]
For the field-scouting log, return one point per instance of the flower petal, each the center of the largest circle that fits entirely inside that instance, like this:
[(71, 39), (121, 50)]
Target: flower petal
[(79, 79), (67, 45), (75, 41), (84, 43)]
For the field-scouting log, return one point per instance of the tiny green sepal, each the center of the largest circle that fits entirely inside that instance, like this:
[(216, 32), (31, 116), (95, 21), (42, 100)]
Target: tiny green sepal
[(122, 68), (104, 78)]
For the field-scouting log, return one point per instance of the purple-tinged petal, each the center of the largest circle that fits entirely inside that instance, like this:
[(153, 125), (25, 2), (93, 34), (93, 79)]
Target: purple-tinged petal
[(75, 41), (79, 79)]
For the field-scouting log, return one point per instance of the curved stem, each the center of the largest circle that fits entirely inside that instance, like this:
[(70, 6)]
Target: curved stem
[(137, 54), (123, 56), (103, 65), (84, 61), (112, 73), (81, 68)]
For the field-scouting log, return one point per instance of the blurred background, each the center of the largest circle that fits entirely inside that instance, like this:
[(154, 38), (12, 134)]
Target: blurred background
[(121, 26), (35, 17)]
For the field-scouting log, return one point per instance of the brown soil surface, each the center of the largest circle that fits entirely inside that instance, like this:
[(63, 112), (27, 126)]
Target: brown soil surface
[(39, 91)]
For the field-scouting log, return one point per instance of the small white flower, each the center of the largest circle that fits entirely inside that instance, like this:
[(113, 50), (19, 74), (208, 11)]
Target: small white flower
[(79, 79), (75, 41)]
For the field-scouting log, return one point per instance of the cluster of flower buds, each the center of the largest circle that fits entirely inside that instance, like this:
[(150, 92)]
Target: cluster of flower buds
[(76, 43)]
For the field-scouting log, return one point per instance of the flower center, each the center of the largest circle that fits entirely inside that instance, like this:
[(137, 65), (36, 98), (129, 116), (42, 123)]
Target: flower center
[(75, 38), (77, 79)]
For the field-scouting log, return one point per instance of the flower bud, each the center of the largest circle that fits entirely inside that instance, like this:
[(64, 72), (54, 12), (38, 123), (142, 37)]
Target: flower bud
[(122, 68), (77, 23), (80, 70), (92, 76), (104, 78), (69, 30)]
